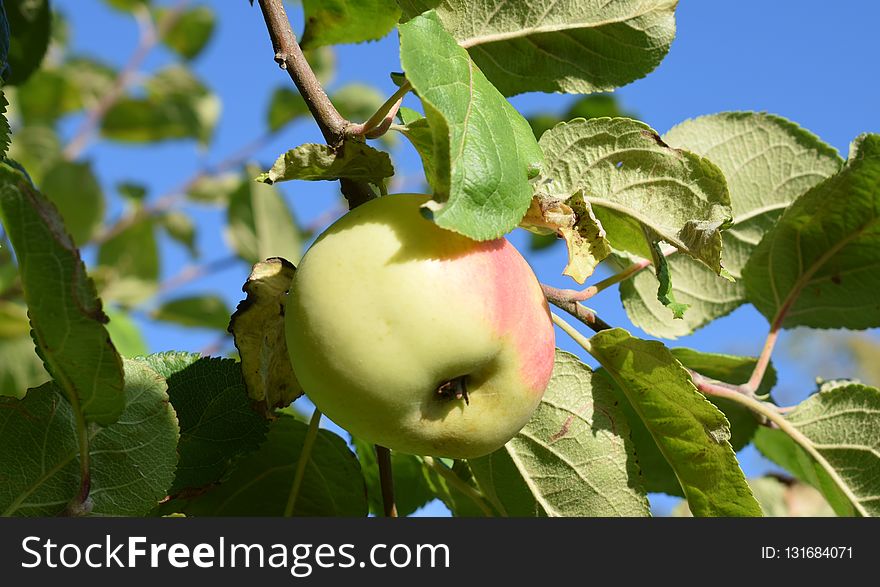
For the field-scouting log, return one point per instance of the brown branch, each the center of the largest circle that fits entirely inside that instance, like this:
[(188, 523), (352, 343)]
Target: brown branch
[(150, 35), (383, 456), (562, 300), (289, 56)]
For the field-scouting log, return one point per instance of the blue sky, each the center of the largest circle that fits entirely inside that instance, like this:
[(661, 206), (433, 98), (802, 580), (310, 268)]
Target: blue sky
[(807, 60)]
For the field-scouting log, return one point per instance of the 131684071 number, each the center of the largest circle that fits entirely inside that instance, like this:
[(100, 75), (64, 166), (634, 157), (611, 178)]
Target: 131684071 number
[(807, 552)]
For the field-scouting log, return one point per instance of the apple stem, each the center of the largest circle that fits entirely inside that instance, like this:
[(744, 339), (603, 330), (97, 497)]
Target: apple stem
[(454, 388), (386, 480)]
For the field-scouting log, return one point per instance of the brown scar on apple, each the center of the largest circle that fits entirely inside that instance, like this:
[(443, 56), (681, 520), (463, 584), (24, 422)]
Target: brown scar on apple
[(454, 389)]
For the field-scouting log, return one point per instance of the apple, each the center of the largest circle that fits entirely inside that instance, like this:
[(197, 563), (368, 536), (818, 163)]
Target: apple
[(417, 338)]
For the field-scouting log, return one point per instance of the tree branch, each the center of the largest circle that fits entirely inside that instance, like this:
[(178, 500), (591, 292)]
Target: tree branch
[(386, 480), (289, 57), (562, 300), (150, 35)]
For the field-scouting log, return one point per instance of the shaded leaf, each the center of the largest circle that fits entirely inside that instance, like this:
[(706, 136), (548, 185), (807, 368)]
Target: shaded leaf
[(130, 262), (258, 328), (574, 47), (217, 423), (125, 334), (285, 106), (65, 313), (75, 191), (573, 458), (332, 22), (817, 267), (260, 484), (131, 461), (36, 148), (839, 449), (190, 32), (215, 189), (29, 28), (180, 227), (483, 149), (21, 368), (691, 433), (203, 311)]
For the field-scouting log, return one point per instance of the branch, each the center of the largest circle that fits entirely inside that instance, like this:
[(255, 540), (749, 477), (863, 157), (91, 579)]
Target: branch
[(305, 456), (289, 56), (383, 456), (150, 35), (562, 300)]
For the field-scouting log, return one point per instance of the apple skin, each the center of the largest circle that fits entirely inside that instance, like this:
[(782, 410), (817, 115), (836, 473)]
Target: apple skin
[(386, 306)]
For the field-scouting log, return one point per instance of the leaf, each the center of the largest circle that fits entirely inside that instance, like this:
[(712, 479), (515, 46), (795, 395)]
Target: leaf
[(131, 461), (313, 162), (4, 123), (75, 191), (180, 227), (215, 189), (36, 148), (285, 106), (411, 487), (573, 458), (125, 334), (190, 31), (817, 267), (665, 293), (781, 498), (768, 162), (260, 225), (21, 368), (46, 96), (841, 427), (65, 312), (130, 262), (573, 220), (260, 484), (419, 133), (258, 328), (29, 28), (572, 47), (592, 106), (217, 423), (204, 311), (461, 502), (483, 149), (176, 106), (692, 434), (127, 5), (333, 22), (638, 186)]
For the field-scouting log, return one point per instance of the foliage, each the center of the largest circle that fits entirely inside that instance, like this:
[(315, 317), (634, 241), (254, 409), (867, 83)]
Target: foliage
[(723, 210)]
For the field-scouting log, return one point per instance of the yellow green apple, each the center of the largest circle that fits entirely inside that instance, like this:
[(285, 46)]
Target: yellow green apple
[(417, 338)]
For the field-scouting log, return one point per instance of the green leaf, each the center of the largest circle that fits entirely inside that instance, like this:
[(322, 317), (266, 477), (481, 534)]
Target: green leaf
[(768, 162), (176, 106), (838, 446), (4, 123), (333, 22), (4, 44), (692, 434), (458, 490), (130, 263), (483, 149), (593, 106), (75, 191), (132, 191), (21, 368), (190, 32), (36, 148), (817, 266), (411, 487), (419, 133), (65, 312), (215, 189), (29, 28), (285, 106), (131, 461), (204, 311), (640, 189), (665, 293), (314, 162), (260, 224), (180, 227), (217, 423), (46, 96), (260, 484), (125, 334), (573, 458), (574, 47), (258, 328), (127, 5), (781, 498), (357, 102)]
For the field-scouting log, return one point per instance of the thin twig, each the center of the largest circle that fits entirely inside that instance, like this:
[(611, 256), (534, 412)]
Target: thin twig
[(289, 56), (191, 273), (561, 300), (378, 124), (305, 456), (150, 35), (386, 480)]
